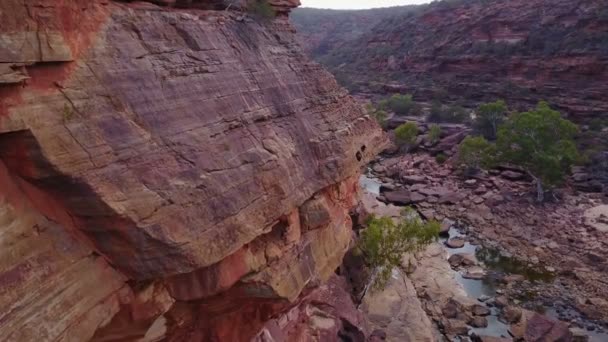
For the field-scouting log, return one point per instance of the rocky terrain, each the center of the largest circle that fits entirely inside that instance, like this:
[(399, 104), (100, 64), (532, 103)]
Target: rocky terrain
[(171, 170), (472, 51), (547, 258)]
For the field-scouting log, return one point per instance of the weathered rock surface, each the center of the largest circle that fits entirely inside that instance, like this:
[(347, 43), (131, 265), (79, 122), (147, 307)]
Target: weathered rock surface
[(397, 310), (173, 172), (324, 314)]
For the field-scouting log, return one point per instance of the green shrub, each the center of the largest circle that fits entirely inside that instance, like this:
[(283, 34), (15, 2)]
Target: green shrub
[(474, 153), (406, 134), (434, 134), (384, 242), (441, 158), (401, 104), (449, 114)]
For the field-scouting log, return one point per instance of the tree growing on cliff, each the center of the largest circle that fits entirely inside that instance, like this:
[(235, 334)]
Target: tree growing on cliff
[(385, 241), (475, 153), (541, 142), (489, 117), (405, 135)]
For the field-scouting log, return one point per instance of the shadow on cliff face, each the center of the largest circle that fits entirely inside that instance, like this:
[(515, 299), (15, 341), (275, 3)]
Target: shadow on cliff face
[(75, 205)]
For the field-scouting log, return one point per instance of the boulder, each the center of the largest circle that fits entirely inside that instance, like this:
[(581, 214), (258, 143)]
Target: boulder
[(501, 301), (446, 224), (479, 322), (450, 197), (512, 175), (462, 259), (398, 197), (455, 242), (413, 179), (480, 310), (474, 272), (597, 217), (455, 327), (512, 314), (535, 327)]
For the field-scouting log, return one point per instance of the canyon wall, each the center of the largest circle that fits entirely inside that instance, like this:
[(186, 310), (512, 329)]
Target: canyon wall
[(168, 169), (473, 51)]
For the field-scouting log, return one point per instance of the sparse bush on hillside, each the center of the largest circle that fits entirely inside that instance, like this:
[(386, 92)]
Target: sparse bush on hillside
[(384, 242), (401, 104), (447, 114), (406, 135), (441, 158), (434, 134)]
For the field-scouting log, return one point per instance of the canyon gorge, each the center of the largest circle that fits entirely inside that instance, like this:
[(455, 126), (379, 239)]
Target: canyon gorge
[(206, 170), (470, 51)]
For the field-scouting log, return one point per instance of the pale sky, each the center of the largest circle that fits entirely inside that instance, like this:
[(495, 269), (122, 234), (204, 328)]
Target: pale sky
[(359, 4)]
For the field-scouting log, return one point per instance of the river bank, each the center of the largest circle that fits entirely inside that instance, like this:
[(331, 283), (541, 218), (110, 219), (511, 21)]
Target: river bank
[(506, 284)]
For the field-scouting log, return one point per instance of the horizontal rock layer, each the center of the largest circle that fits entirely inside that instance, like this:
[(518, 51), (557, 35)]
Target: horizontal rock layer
[(166, 165)]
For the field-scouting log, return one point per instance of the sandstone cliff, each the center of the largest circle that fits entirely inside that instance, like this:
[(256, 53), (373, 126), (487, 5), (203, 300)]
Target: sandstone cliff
[(474, 51), (181, 172)]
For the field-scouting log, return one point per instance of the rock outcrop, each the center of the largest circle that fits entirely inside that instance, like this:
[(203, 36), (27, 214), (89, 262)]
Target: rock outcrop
[(167, 171)]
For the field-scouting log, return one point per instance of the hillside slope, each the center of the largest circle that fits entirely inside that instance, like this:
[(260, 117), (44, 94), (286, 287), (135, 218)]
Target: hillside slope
[(473, 50)]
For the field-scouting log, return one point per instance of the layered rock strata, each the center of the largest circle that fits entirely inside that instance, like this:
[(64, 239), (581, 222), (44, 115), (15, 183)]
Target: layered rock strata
[(167, 172)]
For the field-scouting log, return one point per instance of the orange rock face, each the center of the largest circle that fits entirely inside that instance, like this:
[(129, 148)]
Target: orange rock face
[(166, 171)]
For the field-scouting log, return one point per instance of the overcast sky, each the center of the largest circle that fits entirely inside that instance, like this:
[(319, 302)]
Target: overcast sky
[(358, 4)]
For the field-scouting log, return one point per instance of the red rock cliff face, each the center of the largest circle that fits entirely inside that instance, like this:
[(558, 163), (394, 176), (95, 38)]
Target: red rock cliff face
[(166, 171)]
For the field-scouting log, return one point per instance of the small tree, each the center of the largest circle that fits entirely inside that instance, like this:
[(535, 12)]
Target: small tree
[(434, 134), (406, 135), (542, 143), (475, 153), (488, 117), (384, 242)]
